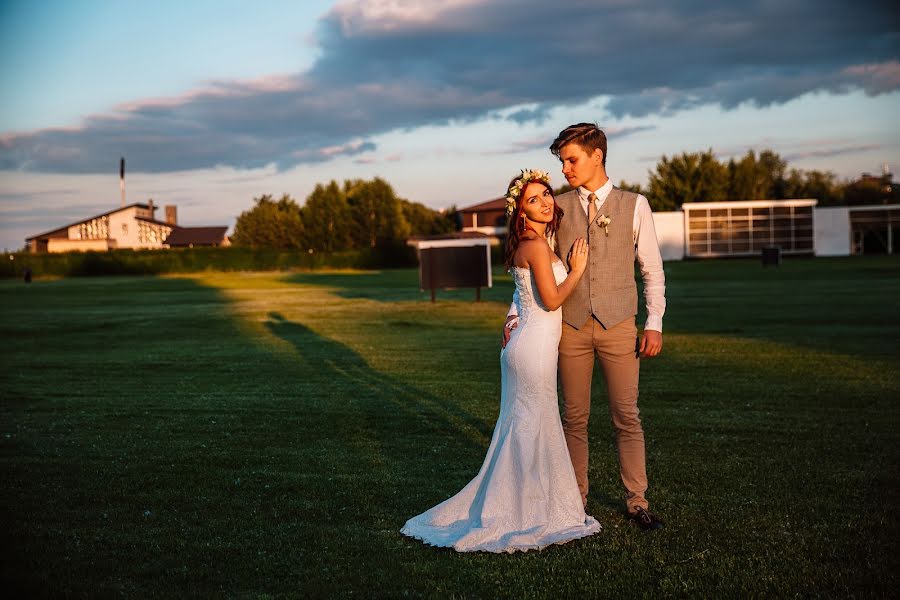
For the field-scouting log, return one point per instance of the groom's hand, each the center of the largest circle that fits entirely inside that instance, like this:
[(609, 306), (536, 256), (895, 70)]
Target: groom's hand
[(651, 343)]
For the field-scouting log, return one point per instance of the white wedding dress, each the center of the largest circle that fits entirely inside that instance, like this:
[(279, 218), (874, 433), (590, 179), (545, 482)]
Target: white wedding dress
[(525, 496)]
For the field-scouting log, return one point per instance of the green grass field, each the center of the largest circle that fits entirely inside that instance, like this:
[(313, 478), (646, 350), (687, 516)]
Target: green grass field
[(267, 434)]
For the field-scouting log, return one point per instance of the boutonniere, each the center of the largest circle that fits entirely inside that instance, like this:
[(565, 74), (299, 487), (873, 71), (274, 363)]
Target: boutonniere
[(604, 221)]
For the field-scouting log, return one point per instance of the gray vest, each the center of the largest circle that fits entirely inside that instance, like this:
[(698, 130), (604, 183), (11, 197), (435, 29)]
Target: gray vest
[(607, 289)]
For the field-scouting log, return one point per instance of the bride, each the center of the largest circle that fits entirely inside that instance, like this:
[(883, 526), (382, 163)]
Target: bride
[(525, 496)]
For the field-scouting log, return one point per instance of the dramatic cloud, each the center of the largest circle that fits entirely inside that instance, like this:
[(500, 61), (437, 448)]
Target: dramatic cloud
[(389, 64)]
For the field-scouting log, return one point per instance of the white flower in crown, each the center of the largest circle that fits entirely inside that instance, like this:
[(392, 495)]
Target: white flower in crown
[(515, 188)]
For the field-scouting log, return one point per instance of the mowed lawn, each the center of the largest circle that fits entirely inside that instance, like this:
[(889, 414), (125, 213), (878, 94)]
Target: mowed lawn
[(260, 435)]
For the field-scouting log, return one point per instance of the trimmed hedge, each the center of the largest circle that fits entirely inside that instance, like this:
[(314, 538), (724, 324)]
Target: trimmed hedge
[(190, 260)]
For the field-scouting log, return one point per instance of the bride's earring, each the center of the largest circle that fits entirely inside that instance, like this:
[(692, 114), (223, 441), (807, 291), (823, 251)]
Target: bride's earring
[(524, 222)]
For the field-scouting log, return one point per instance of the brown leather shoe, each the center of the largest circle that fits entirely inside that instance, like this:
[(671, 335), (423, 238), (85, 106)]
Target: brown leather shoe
[(645, 520)]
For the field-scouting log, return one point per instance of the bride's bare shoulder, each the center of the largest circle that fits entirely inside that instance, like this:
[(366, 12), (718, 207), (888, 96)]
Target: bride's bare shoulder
[(531, 250)]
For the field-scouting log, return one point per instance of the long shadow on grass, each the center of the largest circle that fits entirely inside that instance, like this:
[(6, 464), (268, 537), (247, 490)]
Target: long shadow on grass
[(397, 433), (175, 455)]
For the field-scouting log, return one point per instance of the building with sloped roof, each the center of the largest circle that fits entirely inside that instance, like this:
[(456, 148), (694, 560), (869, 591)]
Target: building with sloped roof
[(486, 217), (133, 226)]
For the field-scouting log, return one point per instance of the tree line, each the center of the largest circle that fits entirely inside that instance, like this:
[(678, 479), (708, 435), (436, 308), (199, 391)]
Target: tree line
[(356, 215), (360, 214), (701, 177)]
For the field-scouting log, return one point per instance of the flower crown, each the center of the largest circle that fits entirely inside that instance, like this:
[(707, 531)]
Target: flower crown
[(516, 187)]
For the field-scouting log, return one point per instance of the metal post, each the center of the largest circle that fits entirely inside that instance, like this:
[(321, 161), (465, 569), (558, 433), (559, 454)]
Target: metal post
[(890, 235)]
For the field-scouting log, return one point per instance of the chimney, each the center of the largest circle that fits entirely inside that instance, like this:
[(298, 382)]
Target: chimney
[(172, 214), (150, 204)]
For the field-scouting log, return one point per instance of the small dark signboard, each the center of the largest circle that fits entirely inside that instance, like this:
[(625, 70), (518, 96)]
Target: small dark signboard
[(454, 263), (771, 255)]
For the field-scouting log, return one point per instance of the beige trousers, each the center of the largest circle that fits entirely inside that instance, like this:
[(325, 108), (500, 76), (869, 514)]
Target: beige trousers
[(616, 350)]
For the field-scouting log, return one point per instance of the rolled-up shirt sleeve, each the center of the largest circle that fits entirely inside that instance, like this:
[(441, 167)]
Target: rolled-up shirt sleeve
[(651, 264)]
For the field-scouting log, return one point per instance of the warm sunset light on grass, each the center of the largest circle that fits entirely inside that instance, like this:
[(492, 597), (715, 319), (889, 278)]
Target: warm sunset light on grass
[(267, 435)]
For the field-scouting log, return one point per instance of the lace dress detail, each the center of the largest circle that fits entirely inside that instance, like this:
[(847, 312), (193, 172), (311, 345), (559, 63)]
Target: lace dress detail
[(525, 496)]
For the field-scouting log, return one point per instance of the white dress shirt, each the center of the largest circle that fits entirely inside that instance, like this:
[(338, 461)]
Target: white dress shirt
[(646, 251)]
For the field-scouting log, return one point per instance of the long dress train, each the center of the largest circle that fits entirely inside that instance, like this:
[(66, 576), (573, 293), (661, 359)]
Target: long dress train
[(525, 496)]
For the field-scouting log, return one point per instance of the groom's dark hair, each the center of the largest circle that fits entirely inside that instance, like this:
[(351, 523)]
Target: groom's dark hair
[(587, 135)]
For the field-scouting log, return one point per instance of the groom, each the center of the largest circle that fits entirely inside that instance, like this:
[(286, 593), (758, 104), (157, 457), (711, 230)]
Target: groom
[(598, 318)]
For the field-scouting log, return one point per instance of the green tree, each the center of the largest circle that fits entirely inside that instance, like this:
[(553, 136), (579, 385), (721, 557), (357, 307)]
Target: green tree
[(271, 224), (694, 177), (867, 190), (699, 177), (562, 189), (753, 178), (772, 168), (425, 221), (820, 185), (328, 219), (376, 211), (631, 187)]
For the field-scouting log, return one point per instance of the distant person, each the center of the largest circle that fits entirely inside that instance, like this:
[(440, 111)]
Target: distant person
[(598, 316), (27, 274), (526, 495)]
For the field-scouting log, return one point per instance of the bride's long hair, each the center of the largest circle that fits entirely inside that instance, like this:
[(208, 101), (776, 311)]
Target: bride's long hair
[(515, 224)]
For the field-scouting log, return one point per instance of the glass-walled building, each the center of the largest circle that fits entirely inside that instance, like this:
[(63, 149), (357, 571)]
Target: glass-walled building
[(743, 228), (875, 229)]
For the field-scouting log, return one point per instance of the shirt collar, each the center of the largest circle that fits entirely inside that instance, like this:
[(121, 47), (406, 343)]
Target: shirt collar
[(601, 193)]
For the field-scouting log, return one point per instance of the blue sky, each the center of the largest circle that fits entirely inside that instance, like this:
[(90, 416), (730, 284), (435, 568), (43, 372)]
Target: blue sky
[(213, 103)]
